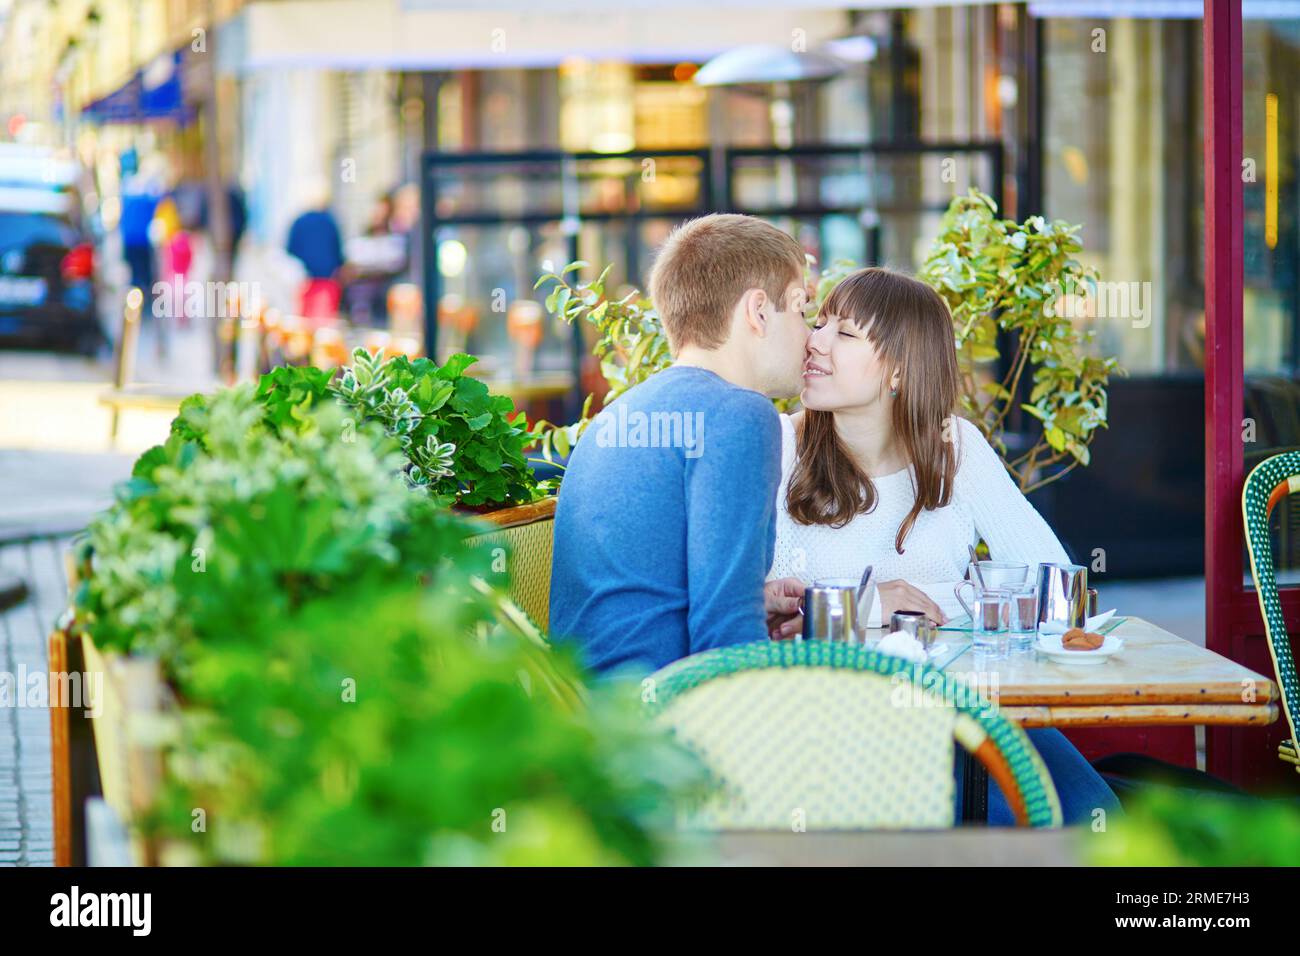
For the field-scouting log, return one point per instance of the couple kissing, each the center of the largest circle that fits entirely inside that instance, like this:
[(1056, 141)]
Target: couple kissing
[(662, 550)]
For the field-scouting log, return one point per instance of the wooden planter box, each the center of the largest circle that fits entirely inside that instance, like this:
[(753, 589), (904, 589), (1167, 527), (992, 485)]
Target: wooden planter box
[(108, 755)]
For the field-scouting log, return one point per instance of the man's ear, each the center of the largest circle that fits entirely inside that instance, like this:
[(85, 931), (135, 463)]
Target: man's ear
[(756, 310)]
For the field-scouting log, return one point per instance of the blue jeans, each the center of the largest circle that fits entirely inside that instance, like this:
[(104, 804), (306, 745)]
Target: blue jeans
[(1081, 788)]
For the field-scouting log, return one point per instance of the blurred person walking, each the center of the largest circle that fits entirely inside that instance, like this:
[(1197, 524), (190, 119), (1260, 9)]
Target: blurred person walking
[(314, 240), (176, 251), (138, 205)]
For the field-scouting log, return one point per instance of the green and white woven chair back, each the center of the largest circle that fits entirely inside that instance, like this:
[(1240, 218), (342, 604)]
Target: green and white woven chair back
[(816, 736), (1271, 481)]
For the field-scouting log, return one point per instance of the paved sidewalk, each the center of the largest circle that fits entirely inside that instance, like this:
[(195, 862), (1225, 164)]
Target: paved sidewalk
[(56, 470), (38, 489)]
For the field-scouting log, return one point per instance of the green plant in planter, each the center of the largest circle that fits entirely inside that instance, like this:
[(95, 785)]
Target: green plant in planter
[(250, 521), (1002, 277), (463, 442), (367, 731), (233, 521), (995, 274), (462, 445)]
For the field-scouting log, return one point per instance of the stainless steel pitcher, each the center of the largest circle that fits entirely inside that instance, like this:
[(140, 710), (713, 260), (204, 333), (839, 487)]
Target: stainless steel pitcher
[(836, 609), (1063, 594)]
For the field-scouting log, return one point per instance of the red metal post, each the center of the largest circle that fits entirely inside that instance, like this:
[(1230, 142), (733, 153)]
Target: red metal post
[(1224, 379)]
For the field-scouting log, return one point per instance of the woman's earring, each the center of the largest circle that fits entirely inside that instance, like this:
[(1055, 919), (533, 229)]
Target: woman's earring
[(893, 393)]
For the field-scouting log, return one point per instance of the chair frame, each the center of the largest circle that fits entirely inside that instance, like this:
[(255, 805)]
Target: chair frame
[(1268, 483), (996, 742)]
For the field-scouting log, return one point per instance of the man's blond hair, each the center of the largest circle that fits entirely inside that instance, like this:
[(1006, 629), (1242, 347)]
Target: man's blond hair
[(707, 264)]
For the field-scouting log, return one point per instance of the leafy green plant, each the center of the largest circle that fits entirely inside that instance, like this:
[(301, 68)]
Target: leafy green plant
[(250, 521), (371, 732), (1002, 277), (1165, 828), (463, 442), (630, 344), (348, 691), (997, 277), (462, 445)]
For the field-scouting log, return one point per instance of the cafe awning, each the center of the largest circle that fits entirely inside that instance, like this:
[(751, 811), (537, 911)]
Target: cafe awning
[(396, 35), (156, 92)]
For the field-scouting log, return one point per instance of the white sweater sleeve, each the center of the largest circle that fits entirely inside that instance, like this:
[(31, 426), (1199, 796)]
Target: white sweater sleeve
[(1003, 517)]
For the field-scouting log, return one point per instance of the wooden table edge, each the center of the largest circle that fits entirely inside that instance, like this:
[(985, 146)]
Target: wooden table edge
[(1266, 692), (1143, 715)]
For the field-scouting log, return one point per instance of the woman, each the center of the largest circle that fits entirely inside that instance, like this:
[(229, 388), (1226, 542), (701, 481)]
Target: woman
[(877, 470)]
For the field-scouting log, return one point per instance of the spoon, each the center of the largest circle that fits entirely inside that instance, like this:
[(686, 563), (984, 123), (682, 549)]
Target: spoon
[(974, 563), (863, 614)]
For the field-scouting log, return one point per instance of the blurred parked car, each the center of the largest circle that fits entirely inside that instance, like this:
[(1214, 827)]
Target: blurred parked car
[(47, 258)]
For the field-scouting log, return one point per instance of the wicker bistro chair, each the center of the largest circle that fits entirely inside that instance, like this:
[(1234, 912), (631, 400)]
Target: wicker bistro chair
[(1271, 481), (526, 532), (834, 736)]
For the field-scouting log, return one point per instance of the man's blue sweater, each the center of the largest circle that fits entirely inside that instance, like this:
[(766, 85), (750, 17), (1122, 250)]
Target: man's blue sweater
[(666, 522)]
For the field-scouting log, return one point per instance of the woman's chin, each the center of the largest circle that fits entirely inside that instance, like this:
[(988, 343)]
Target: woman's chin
[(810, 400)]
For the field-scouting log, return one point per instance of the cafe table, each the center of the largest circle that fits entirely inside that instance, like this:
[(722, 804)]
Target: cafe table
[(1157, 679)]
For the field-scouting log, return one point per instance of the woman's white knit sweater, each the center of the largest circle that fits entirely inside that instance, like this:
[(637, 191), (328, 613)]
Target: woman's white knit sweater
[(985, 504)]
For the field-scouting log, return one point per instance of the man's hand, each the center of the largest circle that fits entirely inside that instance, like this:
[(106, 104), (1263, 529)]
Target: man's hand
[(898, 595), (781, 600)]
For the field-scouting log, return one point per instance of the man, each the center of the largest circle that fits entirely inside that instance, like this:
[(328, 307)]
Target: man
[(665, 524), (314, 240)]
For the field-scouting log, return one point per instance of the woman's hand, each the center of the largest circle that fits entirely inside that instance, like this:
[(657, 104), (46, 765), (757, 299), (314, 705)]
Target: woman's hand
[(781, 599), (898, 595)]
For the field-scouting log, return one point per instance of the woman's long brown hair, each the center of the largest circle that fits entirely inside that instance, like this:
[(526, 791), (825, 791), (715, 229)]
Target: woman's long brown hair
[(911, 328)]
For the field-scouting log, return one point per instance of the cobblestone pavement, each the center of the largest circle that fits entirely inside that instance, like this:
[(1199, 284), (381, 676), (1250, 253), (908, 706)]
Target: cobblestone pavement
[(26, 820), (52, 490)]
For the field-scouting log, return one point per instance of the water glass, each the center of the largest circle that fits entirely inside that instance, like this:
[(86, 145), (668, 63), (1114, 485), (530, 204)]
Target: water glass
[(1024, 617), (991, 622)]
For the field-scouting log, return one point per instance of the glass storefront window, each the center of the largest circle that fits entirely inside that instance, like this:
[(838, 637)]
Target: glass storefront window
[(1271, 238), (1122, 156)]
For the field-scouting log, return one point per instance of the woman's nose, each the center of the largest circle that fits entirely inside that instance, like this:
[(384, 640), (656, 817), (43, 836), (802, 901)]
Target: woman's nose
[(817, 340)]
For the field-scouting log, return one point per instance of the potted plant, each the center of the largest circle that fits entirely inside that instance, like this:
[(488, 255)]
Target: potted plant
[(463, 446), (1006, 284)]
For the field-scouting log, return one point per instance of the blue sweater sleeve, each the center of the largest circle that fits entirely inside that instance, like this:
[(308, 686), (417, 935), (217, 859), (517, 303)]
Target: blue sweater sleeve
[(731, 522)]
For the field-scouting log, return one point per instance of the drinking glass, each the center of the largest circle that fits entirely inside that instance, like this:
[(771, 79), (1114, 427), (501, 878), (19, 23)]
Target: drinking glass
[(1024, 617), (991, 621)]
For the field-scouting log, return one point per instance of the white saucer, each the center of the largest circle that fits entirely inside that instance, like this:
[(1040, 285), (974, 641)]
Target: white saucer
[(1050, 644)]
